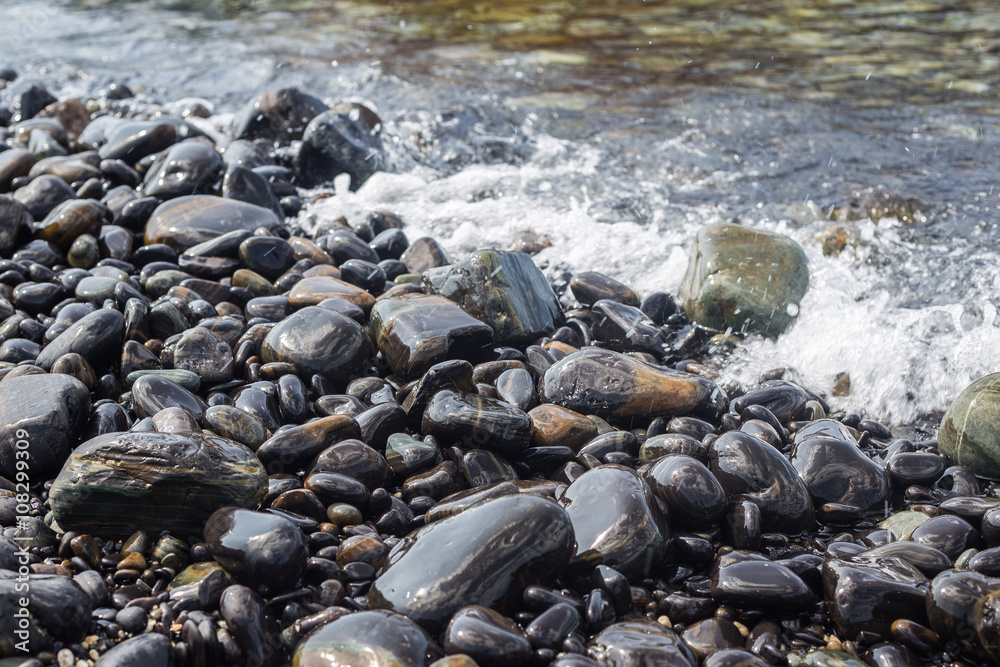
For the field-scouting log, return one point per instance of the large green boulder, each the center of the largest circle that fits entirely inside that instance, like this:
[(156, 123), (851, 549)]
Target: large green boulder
[(970, 430), (744, 279)]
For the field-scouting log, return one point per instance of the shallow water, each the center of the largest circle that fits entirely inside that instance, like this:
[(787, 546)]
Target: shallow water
[(617, 129)]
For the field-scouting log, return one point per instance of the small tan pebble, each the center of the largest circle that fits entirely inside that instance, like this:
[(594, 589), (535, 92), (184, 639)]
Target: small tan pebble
[(744, 630), (94, 655), (834, 240), (65, 658), (842, 385), (833, 643), (133, 561), (665, 621)]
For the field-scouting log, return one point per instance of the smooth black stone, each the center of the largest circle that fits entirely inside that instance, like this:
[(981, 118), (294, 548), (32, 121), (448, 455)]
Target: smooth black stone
[(478, 422), (148, 650), (367, 638), (927, 559), (589, 287), (262, 550), (836, 471), (596, 502), (639, 642), (269, 256), (96, 337), (152, 393), (909, 468), (59, 609), (869, 594), (132, 140), (184, 169), (552, 626), (189, 220), (45, 414), (949, 534), (693, 494), (344, 246), (626, 328), (761, 584), (364, 274), (43, 194), (493, 551), (252, 625), (784, 399), (486, 636), (746, 466), (341, 140), (517, 387), (276, 115), (963, 606), (390, 243), (292, 448), (245, 185), (320, 341)]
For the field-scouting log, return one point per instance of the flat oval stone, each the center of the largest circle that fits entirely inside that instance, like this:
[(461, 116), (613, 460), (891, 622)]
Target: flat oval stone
[(57, 608), (341, 140), (596, 504), (609, 384), (745, 279), (416, 331), (152, 393), (150, 650), (277, 115), (694, 496), (118, 483), (477, 421), (486, 636), (633, 643), (836, 471), (589, 287), (69, 220), (969, 433), (262, 550), (506, 291), (320, 341), (43, 415), (294, 447), (763, 585), (185, 379), (751, 468), (97, 337), (552, 425), (315, 290), (367, 639), (187, 221), (202, 352), (485, 555)]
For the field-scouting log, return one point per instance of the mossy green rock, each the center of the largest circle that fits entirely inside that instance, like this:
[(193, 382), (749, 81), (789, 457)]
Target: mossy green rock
[(970, 430), (118, 483), (744, 279), (505, 290)]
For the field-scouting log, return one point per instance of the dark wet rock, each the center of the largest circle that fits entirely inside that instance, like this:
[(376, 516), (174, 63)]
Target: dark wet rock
[(58, 610), (318, 340), (785, 400), (119, 483), (149, 650), (406, 456), (553, 425), (244, 185), (744, 279), (69, 220), (132, 140), (184, 169), (262, 550), (965, 607), (969, 433), (589, 287), (14, 217), (14, 163), (423, 254), (368, 638), (486, 636), (204, 354), (43, 194), (27, 99), (750, 468), (294, 447), (494, 550), (505, 290), (42, 415), (252, 625), (640, 642), (666, 444), (475, 421), (314, 290), (414, 332), (517, 387), (734, 658), (369, 277), (596, 503), (949, 534), (187, 221), (277, 115), (830, 658), (711, 635), (341, 140), (355, 459), (865, 594), (609, 384), (695, 498), (626, 328), (925, 558), (267, 255), (836, 471), (152, 393), (908, 468), (761, 584)]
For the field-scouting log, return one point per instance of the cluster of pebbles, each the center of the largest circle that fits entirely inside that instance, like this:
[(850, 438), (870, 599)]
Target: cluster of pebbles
[(227, 441)]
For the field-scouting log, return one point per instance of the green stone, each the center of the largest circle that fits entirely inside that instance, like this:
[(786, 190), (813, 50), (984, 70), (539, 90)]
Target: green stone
[(745, 279), (118, 483), (186, 379), (902, 524), (505, 290), (970, 430)]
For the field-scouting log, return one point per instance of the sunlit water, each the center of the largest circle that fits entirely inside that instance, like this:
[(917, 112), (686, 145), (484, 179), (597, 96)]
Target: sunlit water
[(617, 129)]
